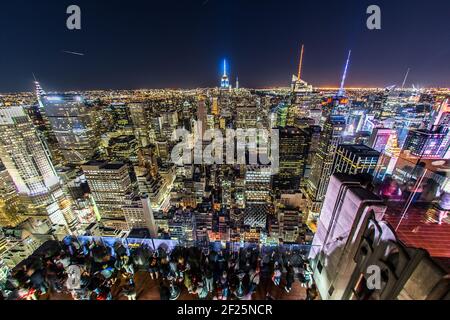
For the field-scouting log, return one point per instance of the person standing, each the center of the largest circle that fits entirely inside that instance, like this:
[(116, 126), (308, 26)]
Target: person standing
[(224, 285), (208, 278), (254, 280), (290, 277), (276, 277), (154, 267)]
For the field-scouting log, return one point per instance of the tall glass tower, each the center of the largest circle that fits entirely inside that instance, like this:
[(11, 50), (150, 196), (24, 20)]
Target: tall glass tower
[(28, 163), (70, 121)]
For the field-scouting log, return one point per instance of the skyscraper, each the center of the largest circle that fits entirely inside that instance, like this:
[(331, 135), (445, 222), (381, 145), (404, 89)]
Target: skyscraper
[(298, 85), (354, 243), (215, 106), (427, 144), (322, 164), (10, 215), (294, 147), (143, 123), (70, 121), (28, 163), (201, 116), (225, 81), (379, 138), (110, 183), (257, 195), (139, 214), (355, 158)]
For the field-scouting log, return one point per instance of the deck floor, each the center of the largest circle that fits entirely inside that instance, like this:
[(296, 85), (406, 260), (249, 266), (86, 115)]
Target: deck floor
[(148, 289)]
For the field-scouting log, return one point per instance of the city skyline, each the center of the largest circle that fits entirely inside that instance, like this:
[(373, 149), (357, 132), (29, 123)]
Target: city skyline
[(225, 150)]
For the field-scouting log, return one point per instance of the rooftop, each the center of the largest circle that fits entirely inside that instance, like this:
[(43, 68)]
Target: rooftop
[(360, 150)]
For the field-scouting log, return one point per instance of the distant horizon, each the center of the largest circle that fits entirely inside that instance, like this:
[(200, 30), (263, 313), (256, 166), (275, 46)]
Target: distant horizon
[(321, 87), (328, 88)]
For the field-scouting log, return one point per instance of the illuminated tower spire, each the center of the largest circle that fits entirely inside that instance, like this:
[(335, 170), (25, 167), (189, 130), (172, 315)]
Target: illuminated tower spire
[(39, 91), (301, 63), (225, 82), (344, 76), (406, 77)]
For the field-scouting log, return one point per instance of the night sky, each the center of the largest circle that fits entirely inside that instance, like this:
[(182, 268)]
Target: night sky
[(181, 43)]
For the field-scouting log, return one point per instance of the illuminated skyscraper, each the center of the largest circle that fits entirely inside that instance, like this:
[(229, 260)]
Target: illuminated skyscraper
[(28, 163), (427, 144), (142, 123), (338, 104), (9, 201), (225, 82), (294, 147), (355, 158), (380, 138), (110, 183), (201, 116), (322, 164), (139, 214), (70, 121), (39, 92), (280, 114), (215, 107), (441, 116), (247, 117), (299, 86), (257, 195)]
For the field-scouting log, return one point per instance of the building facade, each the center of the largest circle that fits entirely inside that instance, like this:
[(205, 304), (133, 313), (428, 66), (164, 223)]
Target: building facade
[(356, 255), (71, 121)]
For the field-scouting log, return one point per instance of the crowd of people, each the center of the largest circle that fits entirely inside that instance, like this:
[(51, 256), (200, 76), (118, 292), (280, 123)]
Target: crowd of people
[(95, 271)]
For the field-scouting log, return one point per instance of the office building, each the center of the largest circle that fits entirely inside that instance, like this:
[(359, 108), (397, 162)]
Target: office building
[(109, 183), (139, 214), (27, 161), (355, 158), (294, 145), (257, 195), (427, 144), (71, 122), (10, 208), (379, 138), (322, 165)]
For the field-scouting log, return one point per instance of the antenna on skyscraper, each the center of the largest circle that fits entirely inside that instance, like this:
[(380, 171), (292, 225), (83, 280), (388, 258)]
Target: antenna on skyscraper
[(38, 89), (406, 77), (225, 67), (344, 76), (300, 66)]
